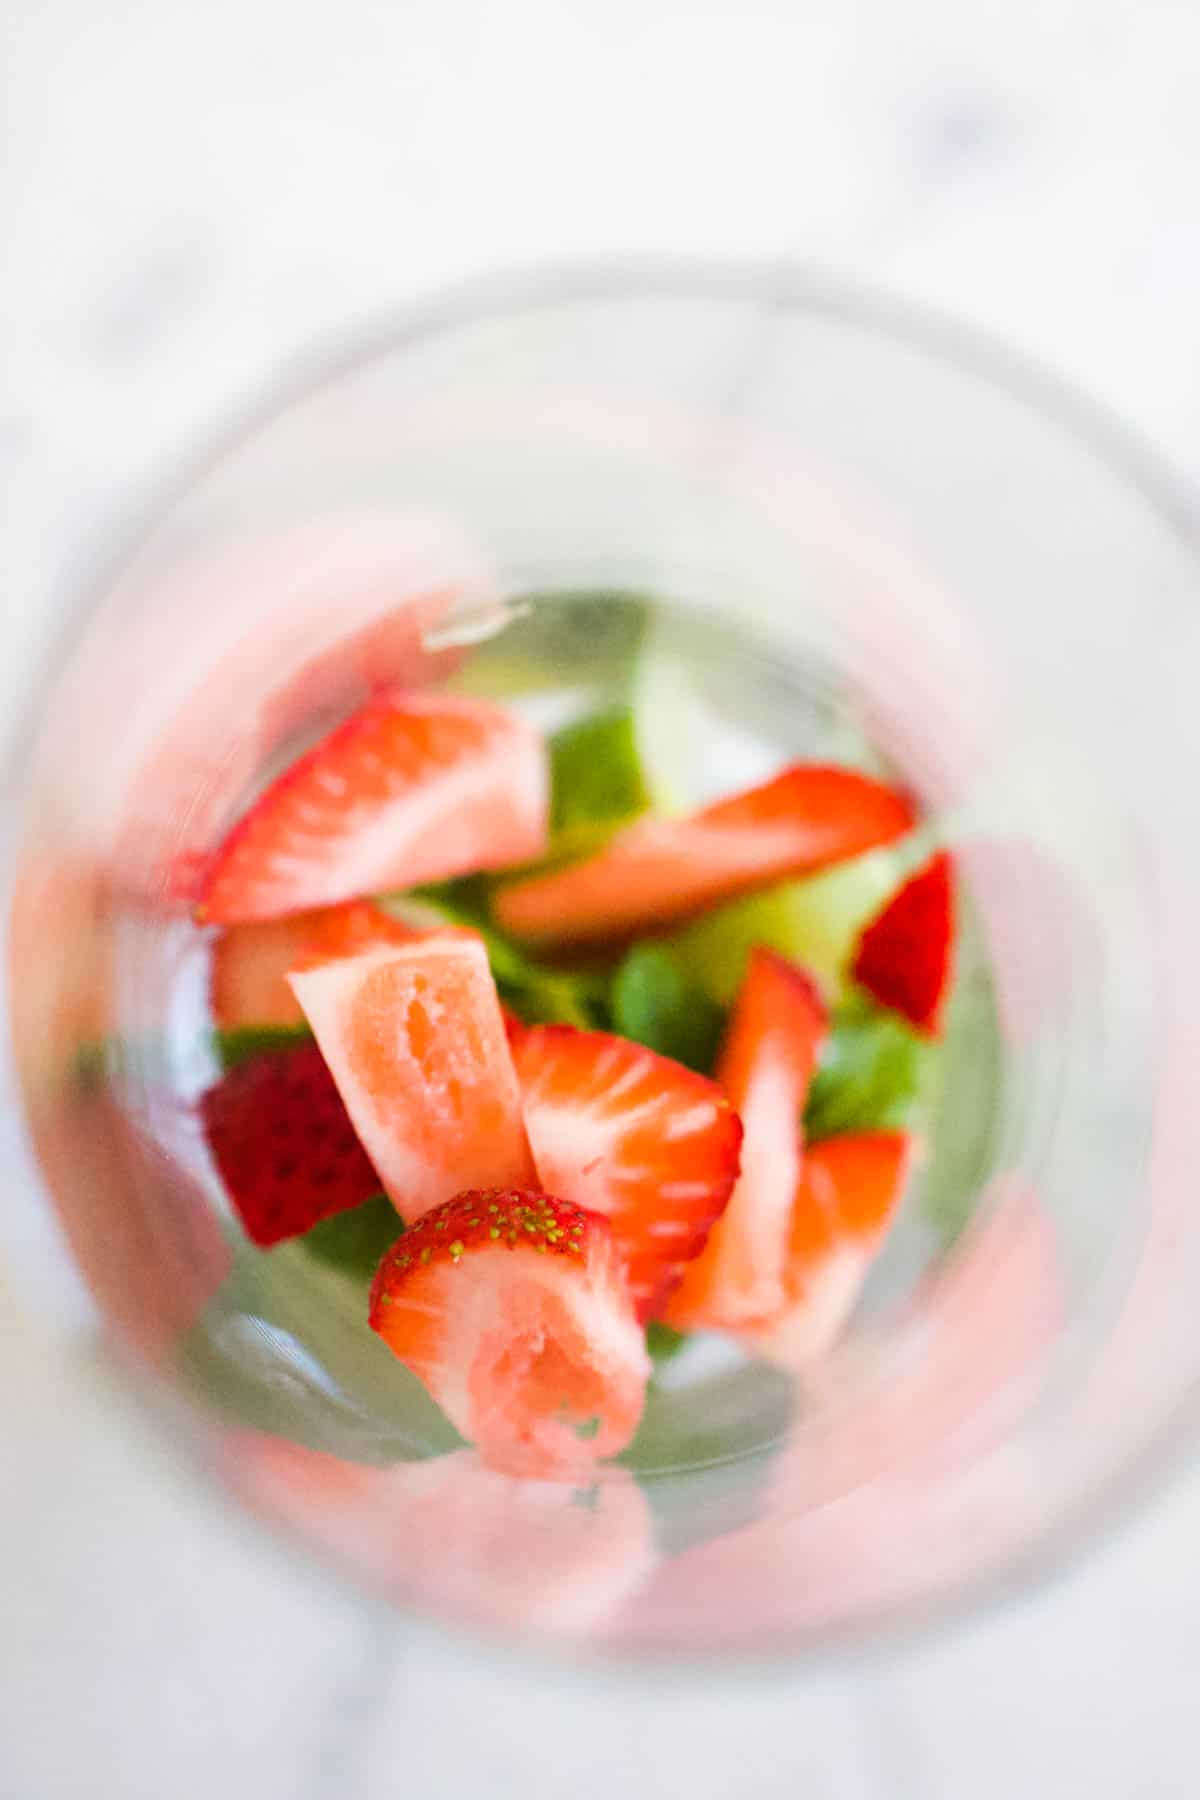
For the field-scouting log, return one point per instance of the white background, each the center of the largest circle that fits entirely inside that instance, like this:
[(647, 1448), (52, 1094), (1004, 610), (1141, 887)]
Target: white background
[(193, 190)]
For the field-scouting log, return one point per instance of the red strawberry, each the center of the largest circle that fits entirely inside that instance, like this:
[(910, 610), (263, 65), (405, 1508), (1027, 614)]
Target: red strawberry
[(905, 954), (412, 788), (847, 1194), (767, 1062), (513, 1310), (415, 1039), (633, 1136), (251, 963), (660, 870), (284, 1145)]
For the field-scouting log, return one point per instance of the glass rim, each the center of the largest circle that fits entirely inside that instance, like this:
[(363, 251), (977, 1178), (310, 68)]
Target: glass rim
[(772, 287)]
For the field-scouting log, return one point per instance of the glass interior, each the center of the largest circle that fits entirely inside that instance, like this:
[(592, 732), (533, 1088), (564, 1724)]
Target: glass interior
[(801, 528)]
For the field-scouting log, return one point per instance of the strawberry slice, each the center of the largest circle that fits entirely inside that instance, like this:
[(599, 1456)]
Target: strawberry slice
[(513, 1310), (251, 963), (412, 788), (905, 954), (660, 870), (846, 1197), (415, 1040), (767, 1062), (283, 1144), (635, 1137)]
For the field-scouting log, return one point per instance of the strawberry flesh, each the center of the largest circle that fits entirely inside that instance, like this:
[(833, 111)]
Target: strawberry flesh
[(412, 788), (905, 955), (284, 1145), (248, 982), (633, 1136), (658, 871), (767, 1063), (511, 1307), (416, 1042), (846, 1197)]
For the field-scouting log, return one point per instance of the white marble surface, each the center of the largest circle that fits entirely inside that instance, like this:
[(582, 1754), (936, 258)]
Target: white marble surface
[(191, 194)]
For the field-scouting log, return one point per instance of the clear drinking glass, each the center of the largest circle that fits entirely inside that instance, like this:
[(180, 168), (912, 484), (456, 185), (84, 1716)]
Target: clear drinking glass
[(859, 528)]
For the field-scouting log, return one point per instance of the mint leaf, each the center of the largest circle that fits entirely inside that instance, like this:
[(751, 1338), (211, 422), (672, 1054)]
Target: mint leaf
[(657, 1003), (595, 772), (236, 1047), (356, 1240), (663, 1341), (875, 1075)]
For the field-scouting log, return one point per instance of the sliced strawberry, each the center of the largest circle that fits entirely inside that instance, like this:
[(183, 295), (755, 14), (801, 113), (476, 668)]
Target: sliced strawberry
[(905, 955), (412, 788), (251, 963), (767, 1063), (846, 1197), (415, 1040), (635, 1137), (283, 1143), (513, 1310), (660, 870)]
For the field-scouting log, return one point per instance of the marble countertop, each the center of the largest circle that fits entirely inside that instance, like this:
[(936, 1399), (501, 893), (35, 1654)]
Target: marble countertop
[(190, 196)]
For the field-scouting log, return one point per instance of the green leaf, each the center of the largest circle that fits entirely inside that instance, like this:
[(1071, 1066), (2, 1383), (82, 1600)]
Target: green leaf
[(233, 1048), (356, 1240), (596, 773), (657, 1003), (663, 1342), (875, 1075)]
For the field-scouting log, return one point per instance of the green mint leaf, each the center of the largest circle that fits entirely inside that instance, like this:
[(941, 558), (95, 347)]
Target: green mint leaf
[(657, 1003), (875, 1075), (356, 1240), (233, 1048), (595, 773), (663, 1342)]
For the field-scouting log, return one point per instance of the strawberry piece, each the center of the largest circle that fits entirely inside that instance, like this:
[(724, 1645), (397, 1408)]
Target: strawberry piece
[(412, 788), (283, 1143), (767, 1062), (905, 954), (513, 1310), (633, 1136), (847, 1194), (661, 870), (415, 1040), (248, 983)]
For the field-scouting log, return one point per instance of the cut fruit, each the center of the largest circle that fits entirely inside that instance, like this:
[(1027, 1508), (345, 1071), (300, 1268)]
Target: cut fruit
[(415, 1040), (660, 870), (251, 963), (766, 1066), (815, 921), (632, 1136), (846, 1198), (413, 788), (906, 953), (285, 1149), (512, 1308)]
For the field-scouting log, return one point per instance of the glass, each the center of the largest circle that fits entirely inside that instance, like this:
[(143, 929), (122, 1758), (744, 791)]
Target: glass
[(850, 516)]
